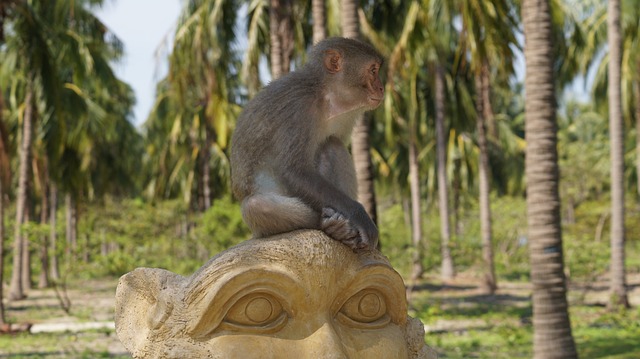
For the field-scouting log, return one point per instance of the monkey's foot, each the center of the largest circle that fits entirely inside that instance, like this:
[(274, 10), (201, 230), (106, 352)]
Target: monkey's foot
[(338, 227)]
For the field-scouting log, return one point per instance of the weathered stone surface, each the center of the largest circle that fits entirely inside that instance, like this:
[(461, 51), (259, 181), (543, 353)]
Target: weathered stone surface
[(296, 295)]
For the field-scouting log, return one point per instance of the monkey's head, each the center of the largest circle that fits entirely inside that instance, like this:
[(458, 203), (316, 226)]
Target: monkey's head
[(350, 70)]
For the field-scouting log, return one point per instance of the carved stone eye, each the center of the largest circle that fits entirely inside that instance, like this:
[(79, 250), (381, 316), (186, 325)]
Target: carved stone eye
[(367, 309), (256, 313)]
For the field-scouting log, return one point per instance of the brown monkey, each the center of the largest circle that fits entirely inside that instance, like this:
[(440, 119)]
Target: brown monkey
[(289, 164)]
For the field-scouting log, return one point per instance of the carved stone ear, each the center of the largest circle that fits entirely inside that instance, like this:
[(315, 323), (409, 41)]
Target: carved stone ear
[(143, 305), (332, 61)]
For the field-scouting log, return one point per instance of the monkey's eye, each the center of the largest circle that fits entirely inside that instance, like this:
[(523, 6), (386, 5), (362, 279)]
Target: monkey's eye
[(256, 313), (367, 309)]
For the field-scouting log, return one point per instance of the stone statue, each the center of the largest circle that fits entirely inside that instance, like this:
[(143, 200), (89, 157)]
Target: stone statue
[(296, 295)]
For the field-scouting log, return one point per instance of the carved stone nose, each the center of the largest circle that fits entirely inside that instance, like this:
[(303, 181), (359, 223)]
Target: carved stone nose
[(326, 343)]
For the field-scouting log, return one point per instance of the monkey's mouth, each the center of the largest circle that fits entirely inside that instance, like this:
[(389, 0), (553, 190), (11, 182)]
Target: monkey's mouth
[(375, 101)]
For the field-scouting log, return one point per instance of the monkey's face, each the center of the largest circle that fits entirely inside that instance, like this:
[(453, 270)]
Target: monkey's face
[(361, 76), (373, 85), (354, 81)]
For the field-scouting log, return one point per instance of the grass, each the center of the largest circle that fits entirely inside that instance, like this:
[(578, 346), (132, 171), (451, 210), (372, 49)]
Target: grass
[(463, 323), (507, 334), (497, 342), (602, 334), (501, 340), (503, 329), (89, 344)]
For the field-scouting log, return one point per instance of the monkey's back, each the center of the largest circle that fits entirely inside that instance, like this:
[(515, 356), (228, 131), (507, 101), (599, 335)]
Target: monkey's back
[(272, 132)]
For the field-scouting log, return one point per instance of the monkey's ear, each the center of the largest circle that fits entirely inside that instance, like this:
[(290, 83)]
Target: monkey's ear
[(332, 61)]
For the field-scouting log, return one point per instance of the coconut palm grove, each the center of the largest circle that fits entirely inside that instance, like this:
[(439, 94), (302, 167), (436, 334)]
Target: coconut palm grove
[(502, 167)]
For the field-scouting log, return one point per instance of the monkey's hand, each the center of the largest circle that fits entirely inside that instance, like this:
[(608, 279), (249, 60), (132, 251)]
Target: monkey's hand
[(340, 228)]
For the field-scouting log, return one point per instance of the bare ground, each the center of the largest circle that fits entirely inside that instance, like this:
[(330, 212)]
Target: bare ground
[(86, 332)]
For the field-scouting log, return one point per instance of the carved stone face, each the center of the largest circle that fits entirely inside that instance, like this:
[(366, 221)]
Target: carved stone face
[(298, 295)]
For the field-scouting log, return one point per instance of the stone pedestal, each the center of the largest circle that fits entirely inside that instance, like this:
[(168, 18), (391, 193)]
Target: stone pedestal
[(295, 295)]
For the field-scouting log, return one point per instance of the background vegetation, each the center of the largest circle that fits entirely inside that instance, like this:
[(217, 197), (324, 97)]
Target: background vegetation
[(86, 195)]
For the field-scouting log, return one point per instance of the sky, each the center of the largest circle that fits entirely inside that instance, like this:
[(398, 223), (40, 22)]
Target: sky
[(143, 26)]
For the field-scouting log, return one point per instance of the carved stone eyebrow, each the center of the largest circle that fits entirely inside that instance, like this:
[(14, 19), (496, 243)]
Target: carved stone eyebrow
[(209, 305)]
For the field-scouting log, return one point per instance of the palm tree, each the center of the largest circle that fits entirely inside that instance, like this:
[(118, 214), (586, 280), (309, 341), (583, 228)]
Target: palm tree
[(257, 33), (281, 34), (416, 212), (360, 142), (616, 135), (199, 78), (447, 270), (552, 328), (2, 316), (53, 233), (489, 280), (57, 50), (439, 21), (631, 44), (319, 22), (614, 73), (27, 44), (416, 42), (5, 179), (595, 40), (402, 109), (637, 89), (488, 34), (274, 31), (189, 127), (414, 173), (43, 280), (16, 289)]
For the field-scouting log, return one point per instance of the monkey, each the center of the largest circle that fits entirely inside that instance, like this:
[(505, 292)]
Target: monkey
[(290, 166)]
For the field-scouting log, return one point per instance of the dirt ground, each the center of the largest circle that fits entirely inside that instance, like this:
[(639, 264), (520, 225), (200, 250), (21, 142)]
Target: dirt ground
[(61, 335), (464, 289)]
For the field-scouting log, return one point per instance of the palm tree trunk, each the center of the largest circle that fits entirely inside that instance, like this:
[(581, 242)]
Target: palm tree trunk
[(2, 317), (361, 152), (360, 142), (457, 189), (16, 289), (53, 234), (4, 166), (638, 127), (281, 35), (206, 169), (43, 280), (26, 253), (489, 277), (448, 269), (276, 44), (319, 26), (416, 225), (551, 325), (487, 107), (349, 20), (616, 135), (71, 226)]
